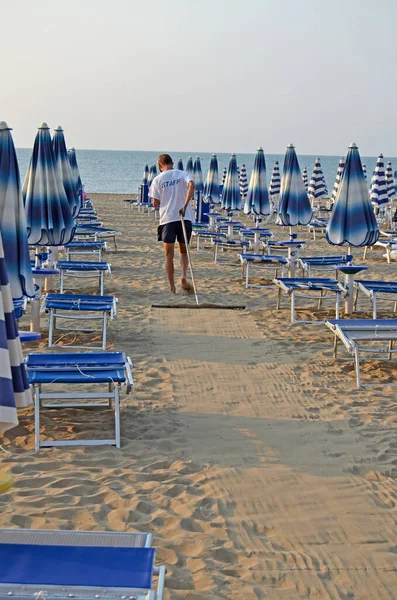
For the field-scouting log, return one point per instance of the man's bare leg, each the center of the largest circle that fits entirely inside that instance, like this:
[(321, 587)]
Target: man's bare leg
[(184, 265), (169, 265)]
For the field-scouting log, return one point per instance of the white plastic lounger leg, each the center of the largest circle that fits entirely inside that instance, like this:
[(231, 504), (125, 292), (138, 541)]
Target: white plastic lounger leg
[(374, 306), (247, 266), (357, 362), (365, 252), (51, 327), (293, 306), (104, 331), (160, 571), (278, 298), (337, 307), (117, 414), (335, 345), (37, 417)]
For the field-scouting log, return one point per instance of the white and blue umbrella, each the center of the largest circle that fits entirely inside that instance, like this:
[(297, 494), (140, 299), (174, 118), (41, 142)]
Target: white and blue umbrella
[(189, 166), (14, 386), (257, 201), (198, 176), (338, 177), (378, 190), (180, 165), (211, 192), (62, 160), (294, 207), (231, 196), (152, 174), (13, 220), (145, 175), (391, 187), (305, 178), (353, 219), (317, 187), (243, 179), (275, 181), (48, 216), (75, 171)]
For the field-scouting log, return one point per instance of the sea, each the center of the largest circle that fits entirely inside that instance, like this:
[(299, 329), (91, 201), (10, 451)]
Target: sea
[(120, 171)]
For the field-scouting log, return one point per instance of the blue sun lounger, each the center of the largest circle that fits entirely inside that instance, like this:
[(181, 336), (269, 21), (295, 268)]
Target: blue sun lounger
[(206, 236), (318, 287), (89, 247), (93, 370), (356, 334), (82, 307), (223, 245), (261, 261), (323, 263), (376, 290), (97, 233), (84, 270), (86, 565)]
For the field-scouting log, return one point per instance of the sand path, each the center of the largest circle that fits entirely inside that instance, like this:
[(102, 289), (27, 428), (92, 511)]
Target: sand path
[(247, 451)]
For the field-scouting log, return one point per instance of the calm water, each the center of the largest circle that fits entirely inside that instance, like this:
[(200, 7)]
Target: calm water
[(121, 171)]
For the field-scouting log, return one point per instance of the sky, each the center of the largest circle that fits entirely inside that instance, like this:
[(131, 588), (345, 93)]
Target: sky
[(202, 75)]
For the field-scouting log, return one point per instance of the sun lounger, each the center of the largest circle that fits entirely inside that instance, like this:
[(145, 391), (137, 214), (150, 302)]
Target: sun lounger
[(356, 334), (90, 248), (222, 245), (318, 287), (82, 307), (376, 290), (96, 233), (83, 270), (112, 369), (84, 565), (207, 236), (28, 336), (318, 225), (387, 241), (261, 261), (323, 263)]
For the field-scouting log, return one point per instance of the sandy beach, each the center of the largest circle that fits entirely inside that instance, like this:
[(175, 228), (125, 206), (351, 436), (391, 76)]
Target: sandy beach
[(247, 450)]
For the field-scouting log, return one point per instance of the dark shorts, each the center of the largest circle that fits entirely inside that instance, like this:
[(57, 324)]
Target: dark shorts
[(170, 232)]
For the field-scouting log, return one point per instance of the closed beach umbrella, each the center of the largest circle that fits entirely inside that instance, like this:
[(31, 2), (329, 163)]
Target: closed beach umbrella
[(13, 220), (243, 182), (294, 207), (231, 197), (189, 166), (75, 171), (257, 201), (305, 178), (145, 175), (353, 219), (275, 181), (338, 177), (48, 216), (391, 188), (14, 387), (317, 187), (211, 188), (180, 165), (62, 161), (152, 174), (198, 176), (378, 190)]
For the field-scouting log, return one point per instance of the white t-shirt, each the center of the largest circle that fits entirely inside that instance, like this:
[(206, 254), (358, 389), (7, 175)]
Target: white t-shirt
[(170, 188)]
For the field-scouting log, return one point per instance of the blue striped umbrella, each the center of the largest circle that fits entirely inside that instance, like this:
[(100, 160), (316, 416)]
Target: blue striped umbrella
[(152, 174), (378, 190), (275, 181), (353, 219), (61, 159), (365, 172), (145, 175), (305, 178), (211, 188), (317, 187), (180, 165), (257, 201), (338, 177), (231, 197), (75, 171), (14, 387), (391, 188), (189, 166), (48, 216), (13, 220), (243, 180), (198, 176), (294, 207)]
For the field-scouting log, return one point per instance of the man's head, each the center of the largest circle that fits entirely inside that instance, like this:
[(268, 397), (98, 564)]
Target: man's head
[(165, 162)]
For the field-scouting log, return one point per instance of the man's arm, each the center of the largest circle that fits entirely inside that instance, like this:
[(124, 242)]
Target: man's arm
[(189, 196), (155, 202)]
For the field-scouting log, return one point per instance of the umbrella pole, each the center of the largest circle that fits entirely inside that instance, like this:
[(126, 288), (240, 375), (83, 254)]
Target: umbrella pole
[(349, 278)]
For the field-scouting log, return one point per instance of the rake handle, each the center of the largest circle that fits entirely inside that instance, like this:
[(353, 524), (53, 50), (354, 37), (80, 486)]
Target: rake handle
[(189, 260)]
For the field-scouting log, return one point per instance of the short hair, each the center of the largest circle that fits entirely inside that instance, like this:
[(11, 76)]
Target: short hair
[(165, 159)]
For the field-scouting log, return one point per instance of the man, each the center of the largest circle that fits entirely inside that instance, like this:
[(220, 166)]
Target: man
[(171, 192)]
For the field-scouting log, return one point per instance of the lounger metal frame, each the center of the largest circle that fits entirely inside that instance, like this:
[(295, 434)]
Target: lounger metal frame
[(87, 249), (89, 273), (369, 289), (263, 262), (238, 246), (293, 285), (366, 331), (323, 263)]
